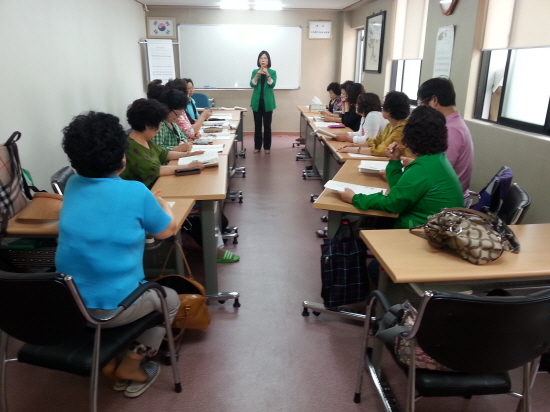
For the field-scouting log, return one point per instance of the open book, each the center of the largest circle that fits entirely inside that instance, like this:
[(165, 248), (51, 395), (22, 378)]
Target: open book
[(208, 158), (365, 190), (321, 131), (372, 166)]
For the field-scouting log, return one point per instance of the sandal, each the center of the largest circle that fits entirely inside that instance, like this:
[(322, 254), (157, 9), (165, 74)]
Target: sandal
[(121, 385), (228, 257), (134, 389)]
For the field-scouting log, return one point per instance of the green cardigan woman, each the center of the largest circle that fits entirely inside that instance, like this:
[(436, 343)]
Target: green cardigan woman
[(263, 81)]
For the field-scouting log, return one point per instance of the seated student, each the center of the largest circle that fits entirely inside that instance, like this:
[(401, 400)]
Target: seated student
[(426, 185), (191, 109), (395, 109), (372, 121), (191, 131), (329, 116), (102, 228), (154, 89), (144, 158), (170, 136), (334, 92), (350, 117), (439, 93)]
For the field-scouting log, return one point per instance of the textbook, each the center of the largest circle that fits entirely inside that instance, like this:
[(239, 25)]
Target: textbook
[(208, 158), (365, 190), (372, 166), (326, 133)]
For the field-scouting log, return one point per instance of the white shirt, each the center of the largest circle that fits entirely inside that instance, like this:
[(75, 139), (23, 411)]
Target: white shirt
[(371, 125)]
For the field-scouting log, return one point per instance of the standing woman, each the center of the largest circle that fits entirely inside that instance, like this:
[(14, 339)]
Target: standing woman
[(263, 101)]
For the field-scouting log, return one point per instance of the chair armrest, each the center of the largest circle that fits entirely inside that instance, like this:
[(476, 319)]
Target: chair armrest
[(132, 297), (382, 299)]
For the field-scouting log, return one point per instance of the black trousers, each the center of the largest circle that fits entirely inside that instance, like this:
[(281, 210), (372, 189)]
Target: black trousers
[(262, 116)]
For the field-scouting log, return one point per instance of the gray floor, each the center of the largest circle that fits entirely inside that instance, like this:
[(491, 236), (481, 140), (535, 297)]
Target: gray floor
[(263, 356)]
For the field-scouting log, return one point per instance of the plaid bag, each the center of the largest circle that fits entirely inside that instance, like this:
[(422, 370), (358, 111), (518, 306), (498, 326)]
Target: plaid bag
[(14, 191), (343, 269)]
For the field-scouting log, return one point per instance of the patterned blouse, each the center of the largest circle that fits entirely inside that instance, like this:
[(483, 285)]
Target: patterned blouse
[(185, 125), (168, 137), (143, 164)]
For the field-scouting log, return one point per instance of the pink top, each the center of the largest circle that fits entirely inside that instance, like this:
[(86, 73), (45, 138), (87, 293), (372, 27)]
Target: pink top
[(185, 125), (461, 149)]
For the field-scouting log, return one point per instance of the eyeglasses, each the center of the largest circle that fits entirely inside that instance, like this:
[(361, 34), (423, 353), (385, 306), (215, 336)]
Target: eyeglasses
[(176, 112), (421, 102)]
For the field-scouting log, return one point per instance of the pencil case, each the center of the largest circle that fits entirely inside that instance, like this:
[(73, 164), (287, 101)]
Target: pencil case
[(188, 171)]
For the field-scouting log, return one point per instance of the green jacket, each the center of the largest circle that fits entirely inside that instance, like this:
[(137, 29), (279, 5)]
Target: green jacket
[(427, 185), (269, 96)]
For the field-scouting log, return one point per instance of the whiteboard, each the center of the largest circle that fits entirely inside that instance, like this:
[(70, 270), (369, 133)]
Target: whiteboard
[(223, 56)]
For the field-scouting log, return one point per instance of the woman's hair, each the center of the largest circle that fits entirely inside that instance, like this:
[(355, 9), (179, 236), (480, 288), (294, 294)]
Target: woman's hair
[(439, 87), (155, 89), (95, 144), (353, 91), (174, 99), (142, 113), (346, 84), (178, 84), (334, 87), (368, 102), (426, 131), (268, 59), (397, 105), (188, 80)]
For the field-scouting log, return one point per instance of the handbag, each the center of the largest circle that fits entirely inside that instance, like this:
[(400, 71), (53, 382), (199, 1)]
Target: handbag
[(193, 312), (477, 237), (398, 319), (343, 268), (14, 191)]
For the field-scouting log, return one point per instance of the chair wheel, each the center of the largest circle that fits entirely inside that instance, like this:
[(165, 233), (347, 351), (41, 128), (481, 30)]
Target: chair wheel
[(305, 312), (316, 313), (235, 241), (304, 176), (244, 175), (237, 304)]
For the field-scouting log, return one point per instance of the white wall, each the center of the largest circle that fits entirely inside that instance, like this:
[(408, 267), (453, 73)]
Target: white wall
[(61, 58)]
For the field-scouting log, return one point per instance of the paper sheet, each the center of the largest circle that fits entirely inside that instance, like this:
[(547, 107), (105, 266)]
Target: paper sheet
[(366, 190)]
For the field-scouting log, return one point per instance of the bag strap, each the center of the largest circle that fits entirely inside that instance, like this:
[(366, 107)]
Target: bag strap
[(187, 268), (345, 224), (389, 328)]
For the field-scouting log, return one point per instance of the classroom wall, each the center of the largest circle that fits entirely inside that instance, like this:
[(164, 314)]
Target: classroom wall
[(61, 58), (495, 146), (319, 64)]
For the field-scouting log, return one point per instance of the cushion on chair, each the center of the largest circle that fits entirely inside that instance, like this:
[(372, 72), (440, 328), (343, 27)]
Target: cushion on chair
[(439, 384), (75, 355)]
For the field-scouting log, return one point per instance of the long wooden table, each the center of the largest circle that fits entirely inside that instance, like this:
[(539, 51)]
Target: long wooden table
[(348, 173)]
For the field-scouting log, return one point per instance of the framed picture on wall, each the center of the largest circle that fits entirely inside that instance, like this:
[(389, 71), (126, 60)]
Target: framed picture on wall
[(161, 28), (374, 42), (319, 29)]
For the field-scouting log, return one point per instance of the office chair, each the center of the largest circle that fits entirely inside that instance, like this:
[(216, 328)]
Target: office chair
[(201, 100), (45, 312), (514, 205), (480, 338), (59, 179), (493, 194)]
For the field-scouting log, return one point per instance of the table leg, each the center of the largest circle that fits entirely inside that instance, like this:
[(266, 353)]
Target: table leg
[(209, 245)]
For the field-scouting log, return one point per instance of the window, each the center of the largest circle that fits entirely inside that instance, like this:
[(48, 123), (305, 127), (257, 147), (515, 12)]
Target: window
[(359, 56), (405, 77), (514, 89)]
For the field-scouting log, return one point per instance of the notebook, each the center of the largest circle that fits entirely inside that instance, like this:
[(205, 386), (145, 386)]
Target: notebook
[(365, 190), (372, 166)]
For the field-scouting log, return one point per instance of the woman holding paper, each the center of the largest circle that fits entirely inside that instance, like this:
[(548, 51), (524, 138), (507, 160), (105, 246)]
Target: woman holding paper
[(424, 186), (263, 81), (144, 158)]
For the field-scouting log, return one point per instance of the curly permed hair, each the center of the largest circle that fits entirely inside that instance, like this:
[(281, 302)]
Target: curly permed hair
[(174, 99), (425, 132), (155, 89), (95, 144), (335, 87), (368, 102), (397, 105), (142, 113), (178, 84)]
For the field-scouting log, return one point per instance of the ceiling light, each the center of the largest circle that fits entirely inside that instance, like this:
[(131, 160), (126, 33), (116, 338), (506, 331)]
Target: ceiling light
[(234, 5), (268, 5)]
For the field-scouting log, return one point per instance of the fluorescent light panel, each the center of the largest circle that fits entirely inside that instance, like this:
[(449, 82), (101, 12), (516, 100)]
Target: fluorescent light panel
[(268, 5), (234, 5)]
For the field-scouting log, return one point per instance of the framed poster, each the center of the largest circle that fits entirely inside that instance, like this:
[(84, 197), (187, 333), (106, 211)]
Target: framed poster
[(374, 42), (161, 28), (319, 29)]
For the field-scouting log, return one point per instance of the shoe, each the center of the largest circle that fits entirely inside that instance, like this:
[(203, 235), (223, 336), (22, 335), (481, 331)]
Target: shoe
[(300, 140), (324, 218), (322, 233), (257, 150), (267, 151), (120, 386), (134, 389), (228, 257)]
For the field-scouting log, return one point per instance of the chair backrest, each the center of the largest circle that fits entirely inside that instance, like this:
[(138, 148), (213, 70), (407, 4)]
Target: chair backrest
[(59, 179), (201, 100), (490, 334), (514, 205), (38, 308), (493, 194)]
